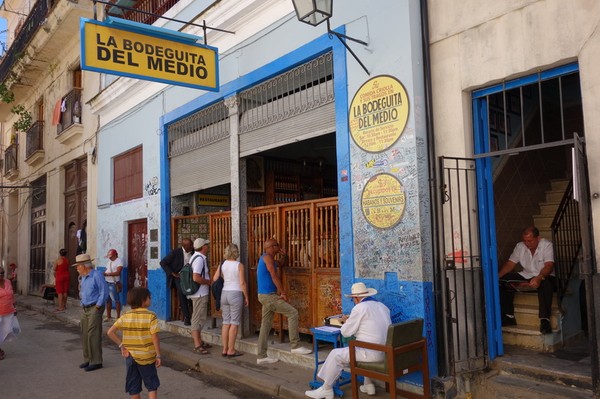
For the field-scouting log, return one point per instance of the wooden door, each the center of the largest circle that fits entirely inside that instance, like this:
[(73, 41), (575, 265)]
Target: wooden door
[(137, 254), (75, 197)]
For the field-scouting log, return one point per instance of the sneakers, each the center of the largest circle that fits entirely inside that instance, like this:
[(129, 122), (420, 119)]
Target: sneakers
[(369, 389), (508, 320), (266, 360), (107, 320), (545, 327), (320, 393), (302, 351)]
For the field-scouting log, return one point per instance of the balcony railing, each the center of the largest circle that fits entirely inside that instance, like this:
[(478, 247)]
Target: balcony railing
[(32, 24), (71, 104), (10, 159), (158, 7), (35, 139)]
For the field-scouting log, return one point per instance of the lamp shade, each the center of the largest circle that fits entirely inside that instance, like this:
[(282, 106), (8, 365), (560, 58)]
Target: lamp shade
[(313, 12)]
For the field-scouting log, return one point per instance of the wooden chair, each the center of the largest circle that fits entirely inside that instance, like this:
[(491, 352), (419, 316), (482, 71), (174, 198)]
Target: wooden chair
[(405, 352)]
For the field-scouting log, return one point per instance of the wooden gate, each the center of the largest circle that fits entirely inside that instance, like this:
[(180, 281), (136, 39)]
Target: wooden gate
[(308, 231)]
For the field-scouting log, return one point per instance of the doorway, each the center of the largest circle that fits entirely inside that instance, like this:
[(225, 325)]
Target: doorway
[(137, 254)]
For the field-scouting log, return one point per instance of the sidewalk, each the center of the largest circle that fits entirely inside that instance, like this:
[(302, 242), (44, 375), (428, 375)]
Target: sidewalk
[(287, 378)]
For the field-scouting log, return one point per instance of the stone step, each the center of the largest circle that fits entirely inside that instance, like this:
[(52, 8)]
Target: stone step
[(504, 386)]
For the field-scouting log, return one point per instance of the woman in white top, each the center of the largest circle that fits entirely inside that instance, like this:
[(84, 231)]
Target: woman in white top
[(233, 298)]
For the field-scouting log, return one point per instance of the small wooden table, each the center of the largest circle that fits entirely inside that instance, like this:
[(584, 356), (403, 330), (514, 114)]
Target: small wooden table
[(334, 336)]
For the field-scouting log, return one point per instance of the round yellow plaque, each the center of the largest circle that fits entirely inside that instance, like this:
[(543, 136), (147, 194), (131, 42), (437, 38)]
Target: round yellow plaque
[(378, 113), (383, 201)]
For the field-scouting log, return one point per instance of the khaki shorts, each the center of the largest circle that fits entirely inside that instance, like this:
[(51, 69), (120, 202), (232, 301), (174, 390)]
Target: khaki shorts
[(200, 312)]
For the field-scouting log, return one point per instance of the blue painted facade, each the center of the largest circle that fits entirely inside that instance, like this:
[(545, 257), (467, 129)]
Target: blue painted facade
[(403, 277), (396, 261)]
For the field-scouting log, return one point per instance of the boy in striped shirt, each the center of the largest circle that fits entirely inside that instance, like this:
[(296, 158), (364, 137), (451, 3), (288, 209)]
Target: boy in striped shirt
[(139, 344)]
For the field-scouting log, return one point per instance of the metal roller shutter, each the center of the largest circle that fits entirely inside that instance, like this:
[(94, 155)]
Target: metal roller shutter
[(200, 169)]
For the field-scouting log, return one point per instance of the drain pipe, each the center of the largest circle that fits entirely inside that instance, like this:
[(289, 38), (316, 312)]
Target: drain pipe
[(433, 192), (468, 394)]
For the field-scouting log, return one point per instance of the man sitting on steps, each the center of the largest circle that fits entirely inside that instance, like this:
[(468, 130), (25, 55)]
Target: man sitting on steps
[(536, 256)]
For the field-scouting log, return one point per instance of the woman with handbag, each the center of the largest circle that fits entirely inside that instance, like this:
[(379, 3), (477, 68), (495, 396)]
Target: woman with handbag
[(234, 297)]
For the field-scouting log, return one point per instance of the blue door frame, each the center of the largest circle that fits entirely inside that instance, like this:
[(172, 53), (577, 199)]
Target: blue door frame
[(485, 192)]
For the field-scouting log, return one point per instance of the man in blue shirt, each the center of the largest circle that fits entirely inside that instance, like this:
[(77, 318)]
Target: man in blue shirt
[(93, 292), (274, 300)]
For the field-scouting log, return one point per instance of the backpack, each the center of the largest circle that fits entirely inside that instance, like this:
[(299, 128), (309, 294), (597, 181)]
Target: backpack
[(186, 278)]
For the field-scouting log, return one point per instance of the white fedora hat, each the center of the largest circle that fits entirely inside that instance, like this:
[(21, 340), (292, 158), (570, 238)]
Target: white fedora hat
[(360, 290)]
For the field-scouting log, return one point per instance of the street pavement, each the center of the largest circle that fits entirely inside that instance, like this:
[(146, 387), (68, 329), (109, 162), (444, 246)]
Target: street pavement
[(43, 363), (287, 378)]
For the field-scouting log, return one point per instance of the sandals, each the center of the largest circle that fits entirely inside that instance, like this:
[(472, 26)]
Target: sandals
[(206, 345), (201, 350), (235, 354), (1, 354)]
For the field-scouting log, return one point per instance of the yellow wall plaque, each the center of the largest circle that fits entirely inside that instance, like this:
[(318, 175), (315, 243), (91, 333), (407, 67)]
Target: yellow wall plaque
[(383, 201), (378, 113)]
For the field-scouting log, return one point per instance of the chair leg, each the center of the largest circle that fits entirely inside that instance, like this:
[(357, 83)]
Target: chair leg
[(393, 392), (354, 378)]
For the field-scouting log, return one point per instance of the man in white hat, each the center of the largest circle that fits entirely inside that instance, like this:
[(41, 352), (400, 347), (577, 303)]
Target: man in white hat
[(93, 292), (368, 322)]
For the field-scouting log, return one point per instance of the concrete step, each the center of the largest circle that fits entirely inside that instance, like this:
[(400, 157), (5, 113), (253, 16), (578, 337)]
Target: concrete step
[(567, 367), (548, 208), (530, 298), (528, 315), (504, 386), (530, 337), (559, 185), (554, 196), (543, 222)]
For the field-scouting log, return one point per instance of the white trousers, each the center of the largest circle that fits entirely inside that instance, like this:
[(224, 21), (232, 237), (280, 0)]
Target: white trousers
[(339, 358)]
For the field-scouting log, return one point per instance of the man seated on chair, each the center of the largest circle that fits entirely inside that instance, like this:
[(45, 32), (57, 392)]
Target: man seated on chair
[(536, 255), (368, 322)]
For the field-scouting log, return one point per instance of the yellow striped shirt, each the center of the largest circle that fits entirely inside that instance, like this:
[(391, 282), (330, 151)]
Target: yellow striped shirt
[(137, 327)]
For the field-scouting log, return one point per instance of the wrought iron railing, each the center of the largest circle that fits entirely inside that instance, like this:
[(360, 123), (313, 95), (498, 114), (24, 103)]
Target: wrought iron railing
[(566, 236), (30, 27), (35, 139), (70, 110), (10, 158), (131, 13)]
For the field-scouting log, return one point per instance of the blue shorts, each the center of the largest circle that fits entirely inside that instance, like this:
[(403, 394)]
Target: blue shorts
[(136, 373), (113, 294)]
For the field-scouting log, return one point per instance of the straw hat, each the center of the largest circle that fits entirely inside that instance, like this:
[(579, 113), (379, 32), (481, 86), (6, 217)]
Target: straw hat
[(82, 260), (360, 290)]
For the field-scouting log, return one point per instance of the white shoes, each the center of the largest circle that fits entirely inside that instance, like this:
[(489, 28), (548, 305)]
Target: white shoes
[(266, 360), (369, 389), (302, 351), (320, 393)]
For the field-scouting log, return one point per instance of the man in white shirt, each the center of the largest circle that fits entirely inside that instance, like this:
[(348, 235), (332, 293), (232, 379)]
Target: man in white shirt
[(536, 256), (112, 275), (200, 298), (368, 321)]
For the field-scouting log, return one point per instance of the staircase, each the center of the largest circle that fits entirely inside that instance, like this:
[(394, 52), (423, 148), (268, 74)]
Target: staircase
[(526, 333)]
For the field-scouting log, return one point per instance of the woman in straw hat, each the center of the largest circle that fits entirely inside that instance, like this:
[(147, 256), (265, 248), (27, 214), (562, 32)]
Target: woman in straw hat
[(368, 322)]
